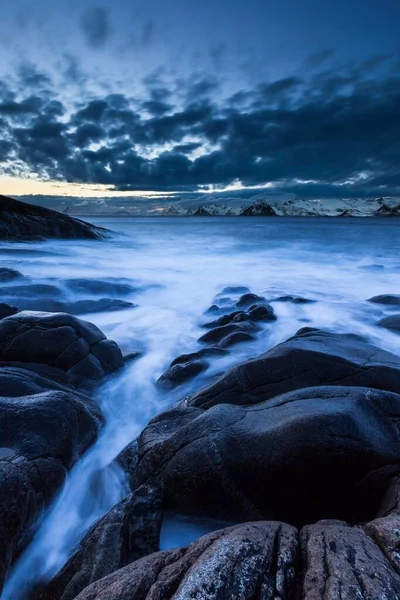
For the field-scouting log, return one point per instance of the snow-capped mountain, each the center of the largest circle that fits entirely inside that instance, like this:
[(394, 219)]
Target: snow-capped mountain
[(260, 206)]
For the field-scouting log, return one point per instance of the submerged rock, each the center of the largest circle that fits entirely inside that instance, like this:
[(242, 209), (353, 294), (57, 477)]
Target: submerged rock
[(387, 299), (20, 221), (9, 275), (392, 323)]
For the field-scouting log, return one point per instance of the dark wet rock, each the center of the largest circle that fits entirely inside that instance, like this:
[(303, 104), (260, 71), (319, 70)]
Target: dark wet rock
[(100, 286), (212, 351), (218, 333), (248, 299), (235, 289), (9, 275), (390, 502), (253, 560), (392, 323), (181, 372), (225, 319), (214, 308), (225, 462), (32, 290), (311, 358), (237, 337), (42, 434), (294, 299), (262, 313), (60, 347), (131, 356), (6, 310), (78, 307), (343, 563), (387, 299), (20, 221), (127, 533)]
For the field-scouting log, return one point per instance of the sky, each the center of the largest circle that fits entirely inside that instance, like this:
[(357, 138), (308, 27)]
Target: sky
[(172, 97)]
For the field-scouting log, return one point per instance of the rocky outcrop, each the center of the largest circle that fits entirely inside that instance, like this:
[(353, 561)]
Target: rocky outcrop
[(44, 429), (311, 358), (20, 221), (223, 462), (253, 560), (60, 347), (258, 209), (128, 532), (49, 364)]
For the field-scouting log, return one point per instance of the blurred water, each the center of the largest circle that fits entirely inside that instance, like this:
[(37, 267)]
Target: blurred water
[(177, 266)]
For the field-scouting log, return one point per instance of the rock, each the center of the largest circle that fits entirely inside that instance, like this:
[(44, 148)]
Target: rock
[(224, 462), (311, 358), (100, 286), (212, 351), (73, 308), (235, 289), (131, 356), (392, 323), (20, 221), (214, 308), (6, 310), (225, 319), (32, 290), (43, 432), (8, 275), (218, 333), (248, 299), (294, 299), (386, 534), (60, 347), (262, 313), (387, 299), (128, 532), (253, 560), (343, 563), (181, 372), (237, 337)]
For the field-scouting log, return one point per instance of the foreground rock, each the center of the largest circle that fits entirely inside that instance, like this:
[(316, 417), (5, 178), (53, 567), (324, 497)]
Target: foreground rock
[(44, 429), (49, 364), (260, 560), (20, 221), (310, 358), (60, 347), (254, 560), (128, 532), (225, 461)]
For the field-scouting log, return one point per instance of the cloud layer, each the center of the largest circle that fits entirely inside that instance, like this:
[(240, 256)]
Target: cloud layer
[(323, 132)]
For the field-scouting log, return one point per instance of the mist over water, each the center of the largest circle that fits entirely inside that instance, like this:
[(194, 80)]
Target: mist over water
[(177, 266)]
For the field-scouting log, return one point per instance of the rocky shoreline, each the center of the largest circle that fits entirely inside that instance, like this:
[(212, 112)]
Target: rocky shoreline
[(298, 448)]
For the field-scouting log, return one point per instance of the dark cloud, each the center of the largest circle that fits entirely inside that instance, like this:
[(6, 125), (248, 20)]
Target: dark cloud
[(329, 134), (96, 27)]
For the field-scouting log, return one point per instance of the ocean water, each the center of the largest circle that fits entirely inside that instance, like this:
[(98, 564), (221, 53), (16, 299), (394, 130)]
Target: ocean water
[(177, 266)]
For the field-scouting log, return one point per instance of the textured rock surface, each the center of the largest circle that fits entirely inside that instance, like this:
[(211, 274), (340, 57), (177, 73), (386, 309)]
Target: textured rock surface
[(249, 561), (127, 533), (20, 221), (343, 563), (59, 346), (224, 461), (42, 433), (310, 358)]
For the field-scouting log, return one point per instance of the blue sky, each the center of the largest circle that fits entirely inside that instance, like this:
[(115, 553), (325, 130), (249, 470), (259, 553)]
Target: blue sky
[(301, 95)]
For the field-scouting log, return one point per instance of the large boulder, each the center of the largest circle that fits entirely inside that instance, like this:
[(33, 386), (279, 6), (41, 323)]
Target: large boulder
[(260, 561), (267, 460), (60, 347), (311, 358), (249, 561), (20, 221), (128, 532), (44, 429)]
